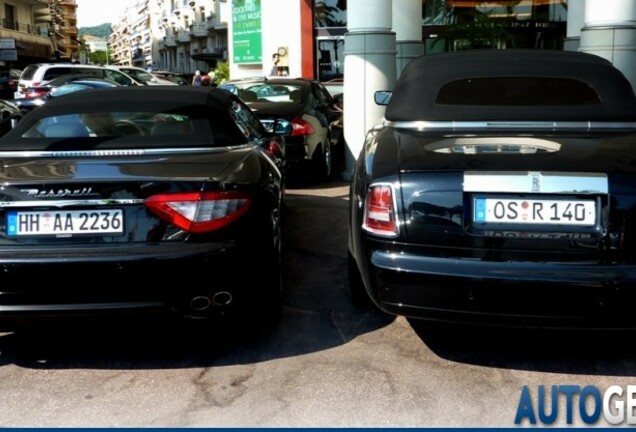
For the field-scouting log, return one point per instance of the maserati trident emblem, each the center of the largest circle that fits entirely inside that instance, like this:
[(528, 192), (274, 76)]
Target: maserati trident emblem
[(59, 193), (535, 181)]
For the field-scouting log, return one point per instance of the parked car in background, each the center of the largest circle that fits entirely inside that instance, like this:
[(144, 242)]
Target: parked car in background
[(10, 115), (315, 116), (335, 86), (148, 184), (35, 97), (8, 82), (39, 74), (180, 79), (500, 189), (143, 77)]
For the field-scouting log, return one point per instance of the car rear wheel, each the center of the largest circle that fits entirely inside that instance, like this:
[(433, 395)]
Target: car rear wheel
[(322, 161), (267, 290), (356, 285)]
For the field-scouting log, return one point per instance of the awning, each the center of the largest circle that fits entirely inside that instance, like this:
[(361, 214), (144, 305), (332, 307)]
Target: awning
[(34, 49)]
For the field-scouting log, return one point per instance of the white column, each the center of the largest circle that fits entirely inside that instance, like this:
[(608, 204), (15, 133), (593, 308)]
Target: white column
[(576, 19), (610, 32), (407, 25), (369, 59)]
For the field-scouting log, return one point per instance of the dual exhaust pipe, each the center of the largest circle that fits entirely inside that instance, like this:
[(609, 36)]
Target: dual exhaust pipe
[(202, 303)]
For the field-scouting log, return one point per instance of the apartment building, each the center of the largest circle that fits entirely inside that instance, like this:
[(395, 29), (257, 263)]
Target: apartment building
[(194, 34), (37, 30), (177, 35), (65, 36)]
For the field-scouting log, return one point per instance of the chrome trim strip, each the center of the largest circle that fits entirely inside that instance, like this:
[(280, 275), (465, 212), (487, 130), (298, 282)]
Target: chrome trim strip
[(513, 270), (119, 152), (542, 125), (58, 307), (67, 203), (536, 182)]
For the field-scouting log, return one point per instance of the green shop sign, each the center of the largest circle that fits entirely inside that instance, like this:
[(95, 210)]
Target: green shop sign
[(246, 31)]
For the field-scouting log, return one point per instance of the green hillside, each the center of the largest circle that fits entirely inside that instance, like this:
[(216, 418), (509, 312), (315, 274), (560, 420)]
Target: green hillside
[(102, 31)]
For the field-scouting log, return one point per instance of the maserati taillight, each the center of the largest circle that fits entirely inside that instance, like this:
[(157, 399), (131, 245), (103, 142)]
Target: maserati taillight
[(300, 127), (379, 211), (199, 212)]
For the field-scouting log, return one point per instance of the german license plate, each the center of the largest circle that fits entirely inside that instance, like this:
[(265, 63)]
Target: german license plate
[(535, 211), (65, 222)]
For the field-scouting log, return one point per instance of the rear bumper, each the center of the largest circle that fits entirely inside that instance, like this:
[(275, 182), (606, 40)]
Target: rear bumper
[(157, 280), (510, 293), (297, 150)]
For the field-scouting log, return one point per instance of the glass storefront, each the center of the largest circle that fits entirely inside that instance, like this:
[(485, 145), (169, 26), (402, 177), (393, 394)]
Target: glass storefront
[(330, 21), (451, 25)]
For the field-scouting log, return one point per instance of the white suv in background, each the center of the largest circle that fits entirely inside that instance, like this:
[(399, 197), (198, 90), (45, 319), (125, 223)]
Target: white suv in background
[(144, 76), (39, 74)]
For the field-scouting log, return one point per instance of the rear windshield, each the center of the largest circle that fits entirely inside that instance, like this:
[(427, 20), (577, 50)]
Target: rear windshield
[(82, 131), (517, 91), (28, 72), (55, 72)]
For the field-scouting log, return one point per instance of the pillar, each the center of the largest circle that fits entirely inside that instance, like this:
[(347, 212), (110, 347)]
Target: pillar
[(576, 20), (610, 32), (407, 25), (370, 65)]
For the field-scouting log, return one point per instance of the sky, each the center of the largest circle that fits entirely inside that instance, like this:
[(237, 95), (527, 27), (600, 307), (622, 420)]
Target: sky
[(91, 13)]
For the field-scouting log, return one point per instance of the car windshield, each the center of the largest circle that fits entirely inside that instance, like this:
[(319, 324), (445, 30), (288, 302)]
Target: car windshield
[(68, 88), (144, 76)]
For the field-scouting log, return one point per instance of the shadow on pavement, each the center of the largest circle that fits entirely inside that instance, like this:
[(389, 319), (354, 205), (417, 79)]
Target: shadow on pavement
[(564, 351), (318, 312)]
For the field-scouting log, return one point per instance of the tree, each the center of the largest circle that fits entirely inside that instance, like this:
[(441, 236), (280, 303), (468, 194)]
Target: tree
[(98, 57), (221, 72)]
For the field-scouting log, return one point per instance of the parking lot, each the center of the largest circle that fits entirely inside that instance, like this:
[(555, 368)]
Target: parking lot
[(328, 363)]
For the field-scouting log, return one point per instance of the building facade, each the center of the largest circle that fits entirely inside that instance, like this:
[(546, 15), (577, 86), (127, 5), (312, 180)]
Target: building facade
[(94, 43), (194, 34), (177, 35), (65, 32), (37, 31)]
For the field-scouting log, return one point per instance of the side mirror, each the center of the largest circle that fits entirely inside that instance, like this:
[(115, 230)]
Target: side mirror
[(382, 97)]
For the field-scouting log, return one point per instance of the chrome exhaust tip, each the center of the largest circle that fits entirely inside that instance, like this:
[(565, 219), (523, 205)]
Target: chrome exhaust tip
[(200, 303), (222, 298)]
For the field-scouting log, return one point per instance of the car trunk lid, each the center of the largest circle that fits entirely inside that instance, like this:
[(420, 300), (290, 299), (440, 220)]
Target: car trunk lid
[(103, 200), (448, 179)]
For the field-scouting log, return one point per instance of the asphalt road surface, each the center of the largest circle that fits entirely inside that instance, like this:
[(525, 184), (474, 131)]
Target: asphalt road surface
[(327, 364)]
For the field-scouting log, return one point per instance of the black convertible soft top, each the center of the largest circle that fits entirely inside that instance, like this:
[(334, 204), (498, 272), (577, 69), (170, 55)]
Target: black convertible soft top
[(58, 125), (512, 85)]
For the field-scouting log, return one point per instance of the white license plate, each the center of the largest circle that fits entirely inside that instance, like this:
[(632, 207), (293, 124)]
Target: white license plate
[(535, 211), (65, 222)]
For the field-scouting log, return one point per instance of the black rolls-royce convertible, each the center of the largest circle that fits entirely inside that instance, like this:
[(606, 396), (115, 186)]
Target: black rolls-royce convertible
[(158, 201), (500, 188)]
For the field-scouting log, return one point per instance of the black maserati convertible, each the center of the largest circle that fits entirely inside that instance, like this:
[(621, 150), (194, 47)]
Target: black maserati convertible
[(500, 188), (139, 200)]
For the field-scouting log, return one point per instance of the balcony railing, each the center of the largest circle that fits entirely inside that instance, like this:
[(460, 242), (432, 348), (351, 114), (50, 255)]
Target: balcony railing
[(199, 30), (170, 41), (183, 36), (24, 28)]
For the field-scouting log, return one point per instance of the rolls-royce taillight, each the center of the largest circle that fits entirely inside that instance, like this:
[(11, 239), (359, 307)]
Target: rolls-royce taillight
[(379, 211)]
